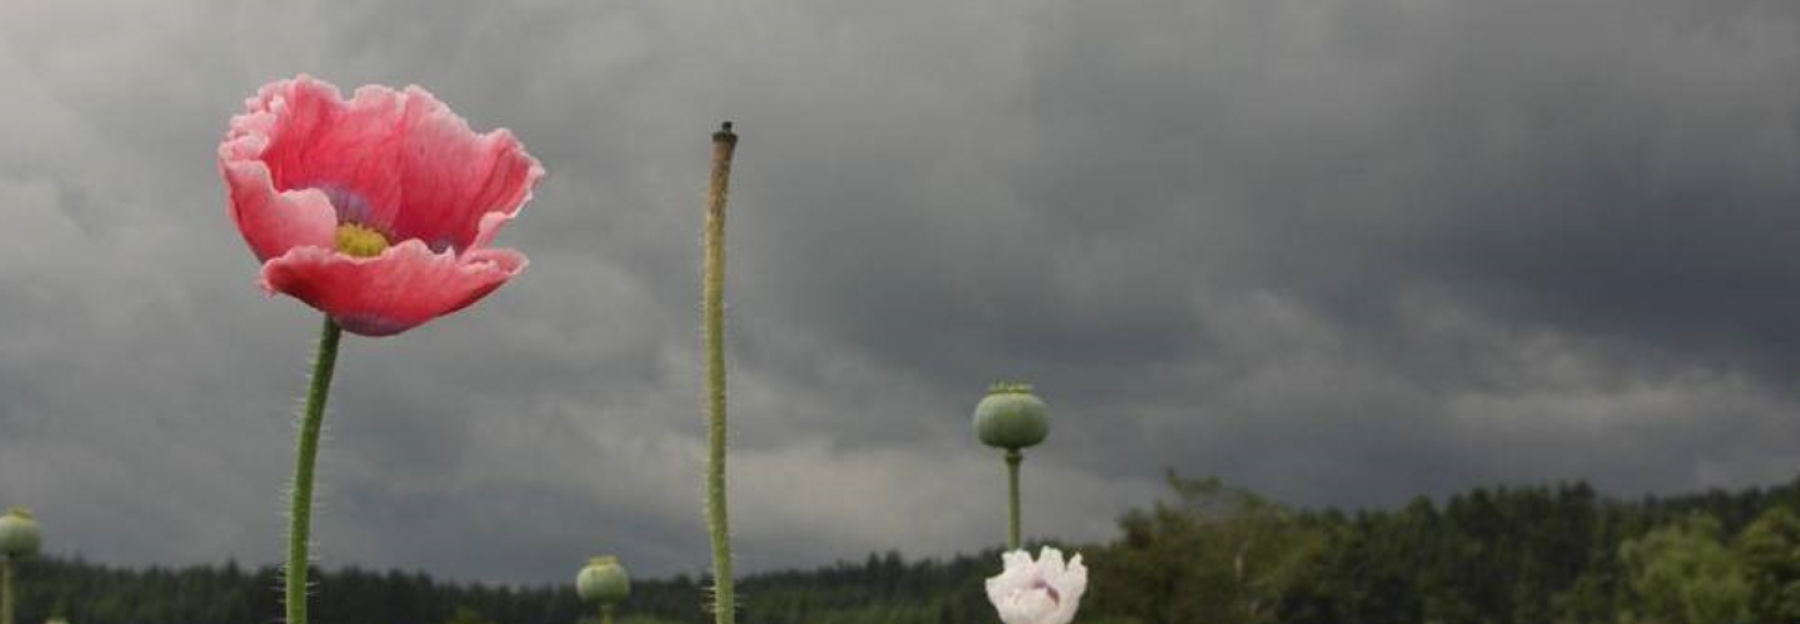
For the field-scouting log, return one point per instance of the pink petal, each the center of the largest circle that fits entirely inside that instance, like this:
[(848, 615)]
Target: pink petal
[(460, 187), (399, 161), (405, 286), (275, 222)]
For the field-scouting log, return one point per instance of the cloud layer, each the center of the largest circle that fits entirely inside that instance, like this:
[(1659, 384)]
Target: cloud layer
[(1343, 253)]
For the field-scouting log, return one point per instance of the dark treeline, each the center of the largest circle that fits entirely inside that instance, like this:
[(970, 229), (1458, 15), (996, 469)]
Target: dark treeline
[(1206, 553)]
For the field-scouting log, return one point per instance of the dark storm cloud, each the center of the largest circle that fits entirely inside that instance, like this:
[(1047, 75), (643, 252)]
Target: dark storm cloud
[(1344, 253)]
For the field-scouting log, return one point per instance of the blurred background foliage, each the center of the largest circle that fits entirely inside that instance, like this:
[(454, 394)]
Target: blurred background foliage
[(1208, 552)]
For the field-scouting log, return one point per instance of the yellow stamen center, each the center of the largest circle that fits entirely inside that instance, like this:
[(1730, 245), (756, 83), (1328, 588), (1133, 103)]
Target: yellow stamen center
[(360, 241)]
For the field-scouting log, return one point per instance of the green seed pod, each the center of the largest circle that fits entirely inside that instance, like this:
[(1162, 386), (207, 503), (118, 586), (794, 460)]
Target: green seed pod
[(19, 534), (1011, 417), (603, 581)]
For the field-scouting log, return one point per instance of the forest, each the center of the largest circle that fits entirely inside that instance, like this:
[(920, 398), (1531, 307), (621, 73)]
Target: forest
[(1207, 552)]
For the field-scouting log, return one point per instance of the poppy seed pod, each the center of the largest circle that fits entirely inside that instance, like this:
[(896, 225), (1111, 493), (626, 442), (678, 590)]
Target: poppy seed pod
[(603, 581), (19, 534), (1011, 417)]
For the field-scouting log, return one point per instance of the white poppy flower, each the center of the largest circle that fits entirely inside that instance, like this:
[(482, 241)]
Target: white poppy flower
[(1038, 592)]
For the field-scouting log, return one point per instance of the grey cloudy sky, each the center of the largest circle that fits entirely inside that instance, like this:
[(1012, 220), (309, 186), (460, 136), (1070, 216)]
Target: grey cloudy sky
[(1342, 252)]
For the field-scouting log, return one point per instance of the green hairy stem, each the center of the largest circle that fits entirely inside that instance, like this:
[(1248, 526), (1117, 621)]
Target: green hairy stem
[(1013, 457), (713, 311), (300, 511)]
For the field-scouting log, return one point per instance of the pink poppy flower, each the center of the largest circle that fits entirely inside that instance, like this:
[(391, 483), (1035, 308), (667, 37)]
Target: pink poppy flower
[(377, 210)]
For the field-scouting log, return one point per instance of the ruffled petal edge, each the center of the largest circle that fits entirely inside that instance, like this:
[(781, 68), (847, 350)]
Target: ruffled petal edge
[(404, 287)]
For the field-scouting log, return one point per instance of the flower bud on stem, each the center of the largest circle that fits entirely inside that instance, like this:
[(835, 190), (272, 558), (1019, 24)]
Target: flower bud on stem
[(1010, 417), (20, 537)]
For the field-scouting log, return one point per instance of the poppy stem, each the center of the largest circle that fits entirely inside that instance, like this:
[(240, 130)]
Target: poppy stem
[(6, 590), (713, 311), (1013, 457), (300, 511), (606, 614)]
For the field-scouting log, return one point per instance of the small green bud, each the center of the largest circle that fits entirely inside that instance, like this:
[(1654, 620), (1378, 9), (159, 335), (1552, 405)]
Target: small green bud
[(603, 581), (19, 534), (1011, 417)]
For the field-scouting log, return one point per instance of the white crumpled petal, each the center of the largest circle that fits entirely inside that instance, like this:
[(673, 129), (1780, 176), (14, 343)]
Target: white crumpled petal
[(1046, 591)]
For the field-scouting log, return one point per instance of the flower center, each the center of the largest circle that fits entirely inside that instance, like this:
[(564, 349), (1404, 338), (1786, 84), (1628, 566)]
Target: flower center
[(1044, 586), (360, 241)]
